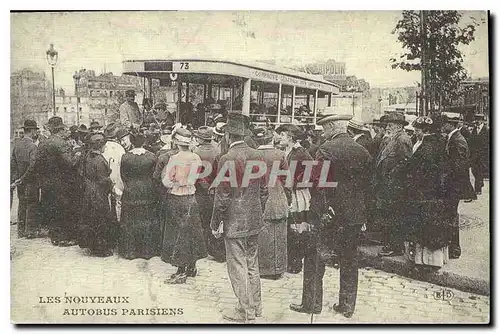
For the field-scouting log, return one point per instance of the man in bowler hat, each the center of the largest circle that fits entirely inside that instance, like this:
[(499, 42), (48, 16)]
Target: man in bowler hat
[(23, 164)]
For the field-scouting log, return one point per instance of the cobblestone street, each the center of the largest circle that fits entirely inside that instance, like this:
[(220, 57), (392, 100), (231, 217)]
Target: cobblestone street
[(41, 270)]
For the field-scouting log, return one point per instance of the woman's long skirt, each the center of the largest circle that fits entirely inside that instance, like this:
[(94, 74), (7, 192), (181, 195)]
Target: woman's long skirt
[(183, 241), (140, 231), (273, 247)]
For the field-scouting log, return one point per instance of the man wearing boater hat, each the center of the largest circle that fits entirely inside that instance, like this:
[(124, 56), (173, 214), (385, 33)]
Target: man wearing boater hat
[(338, 213), (22, 165), (390, 184), (130, 115), (55, 165), (238, 210)]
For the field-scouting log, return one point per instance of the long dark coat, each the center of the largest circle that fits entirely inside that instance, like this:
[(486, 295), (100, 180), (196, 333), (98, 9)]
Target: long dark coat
[(479, 145), (140, 228), (240, 208), (273, 238), (350, 165), (56, 168), (457, 181), (427, 224), (98, 227), (390, 179)]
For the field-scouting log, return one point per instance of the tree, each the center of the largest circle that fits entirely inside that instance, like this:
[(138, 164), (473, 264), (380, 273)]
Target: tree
[(444, 31)]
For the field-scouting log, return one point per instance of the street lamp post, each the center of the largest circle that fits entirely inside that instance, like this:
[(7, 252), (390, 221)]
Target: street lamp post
[(52, 57), (76, 78), (353, 90)]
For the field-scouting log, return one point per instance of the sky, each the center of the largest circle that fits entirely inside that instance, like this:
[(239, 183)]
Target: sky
[(98, 40)]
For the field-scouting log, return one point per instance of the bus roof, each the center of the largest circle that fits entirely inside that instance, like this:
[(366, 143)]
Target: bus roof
[(158, 68)]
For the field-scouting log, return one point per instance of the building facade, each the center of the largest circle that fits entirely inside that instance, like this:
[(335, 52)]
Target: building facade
[(30, 97), (350, 103), (101, 95), (67, 106), (474, 99)]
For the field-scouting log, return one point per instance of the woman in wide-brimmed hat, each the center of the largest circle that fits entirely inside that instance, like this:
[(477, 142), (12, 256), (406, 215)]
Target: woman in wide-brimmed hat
[(184, 224)]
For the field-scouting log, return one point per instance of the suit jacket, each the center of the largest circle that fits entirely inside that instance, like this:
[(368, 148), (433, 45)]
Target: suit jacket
[(350, 165), (23, 160), (240, 208), (390, 178), (457, 181)]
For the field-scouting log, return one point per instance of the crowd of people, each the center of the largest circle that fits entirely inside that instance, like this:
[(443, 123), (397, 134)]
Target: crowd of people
[(129, 187)]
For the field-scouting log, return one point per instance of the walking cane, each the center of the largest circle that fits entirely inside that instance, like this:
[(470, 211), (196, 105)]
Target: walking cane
[(314, 286)]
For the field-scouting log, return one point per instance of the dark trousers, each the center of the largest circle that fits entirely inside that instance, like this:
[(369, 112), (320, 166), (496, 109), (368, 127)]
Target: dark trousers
[(451, 208), (242, 256), (393, 229), (295, 250), (314, 270), (31, 222), (21, 209), (349, 267), (58, 207), (477, 171), (215, 247)]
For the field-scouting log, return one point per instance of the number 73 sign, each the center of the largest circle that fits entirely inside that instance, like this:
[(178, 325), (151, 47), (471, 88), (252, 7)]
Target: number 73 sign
[(181, 66)]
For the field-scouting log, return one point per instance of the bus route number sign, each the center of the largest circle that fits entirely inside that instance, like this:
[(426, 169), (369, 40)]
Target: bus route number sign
[(180, 66)]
